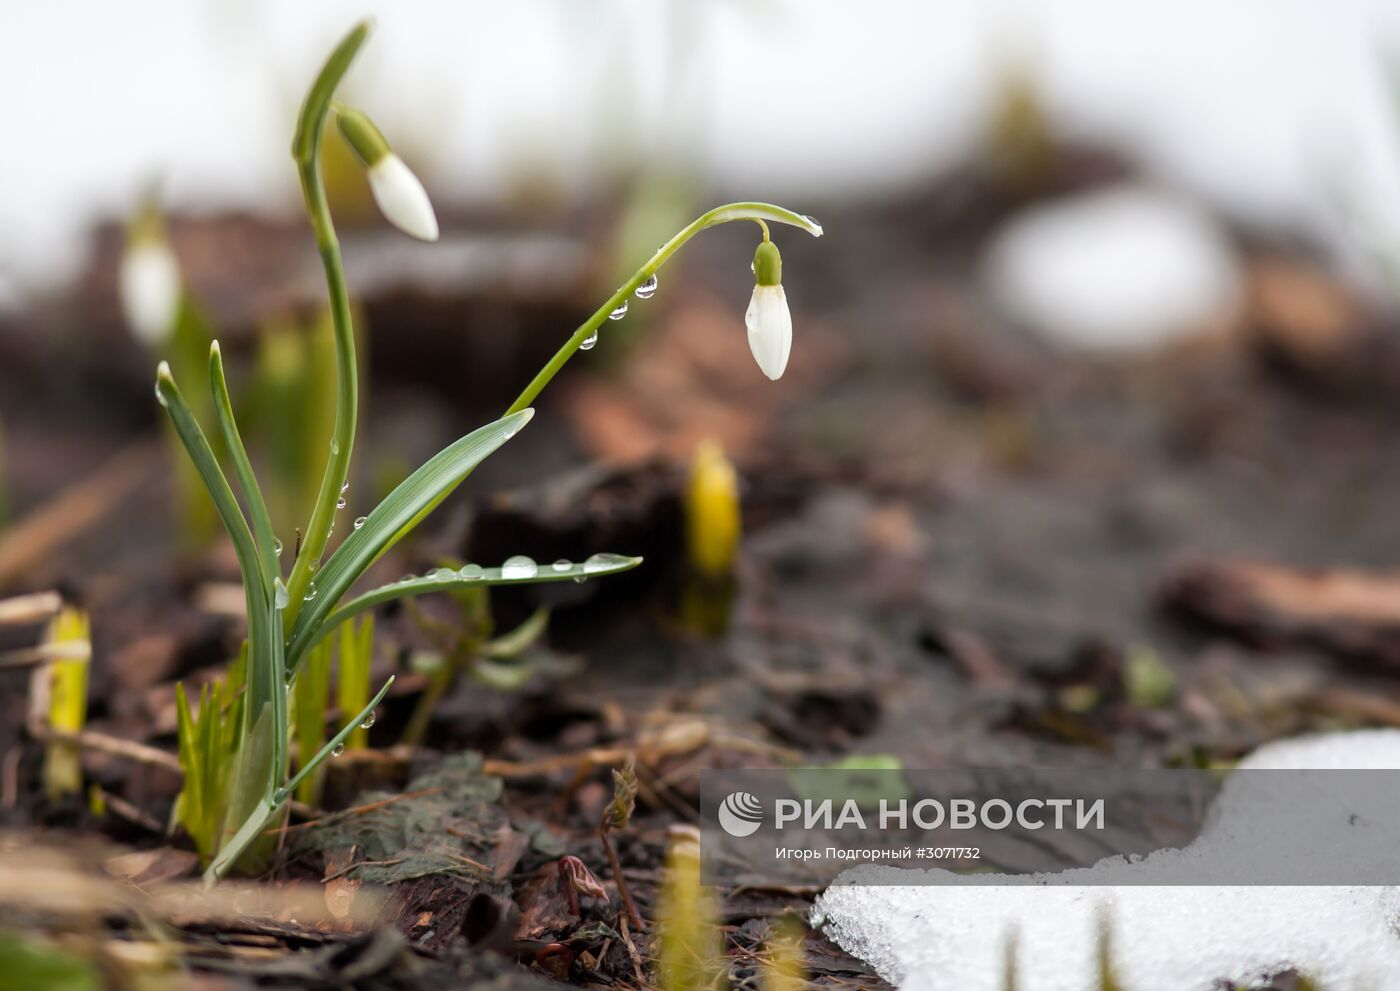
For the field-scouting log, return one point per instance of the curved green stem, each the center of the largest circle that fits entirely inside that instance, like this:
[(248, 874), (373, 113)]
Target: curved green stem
[(757, 212), (306, 150)]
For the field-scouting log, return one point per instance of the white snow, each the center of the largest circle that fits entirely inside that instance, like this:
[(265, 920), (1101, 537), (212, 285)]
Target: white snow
[(1164, 938), (1117, 269)]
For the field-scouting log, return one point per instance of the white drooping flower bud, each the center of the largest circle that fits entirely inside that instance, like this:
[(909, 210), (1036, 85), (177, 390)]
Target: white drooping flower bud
[(148, 283), (768, 318), (402, 199), (396, 189)]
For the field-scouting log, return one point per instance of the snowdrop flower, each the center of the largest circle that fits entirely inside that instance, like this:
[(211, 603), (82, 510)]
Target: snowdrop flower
[(768, 318), (396, 189), (148, 283)]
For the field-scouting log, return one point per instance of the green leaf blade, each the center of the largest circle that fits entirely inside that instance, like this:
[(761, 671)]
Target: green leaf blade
[(444, 580), (387, 522)]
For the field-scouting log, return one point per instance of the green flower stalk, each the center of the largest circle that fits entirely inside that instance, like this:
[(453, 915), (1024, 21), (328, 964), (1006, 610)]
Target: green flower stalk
[(288, 616)]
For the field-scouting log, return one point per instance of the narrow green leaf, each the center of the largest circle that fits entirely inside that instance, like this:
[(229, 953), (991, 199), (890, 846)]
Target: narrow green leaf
[(242, 467), (318, 98), (329, 748), (445, 579), (197, 446), (384, 525)]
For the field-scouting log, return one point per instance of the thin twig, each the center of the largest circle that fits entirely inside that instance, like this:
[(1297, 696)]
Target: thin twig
[(21, 610), (115, 745), (615, 866)]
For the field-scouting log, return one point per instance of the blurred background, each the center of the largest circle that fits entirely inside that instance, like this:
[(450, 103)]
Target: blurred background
[(1094, 375)]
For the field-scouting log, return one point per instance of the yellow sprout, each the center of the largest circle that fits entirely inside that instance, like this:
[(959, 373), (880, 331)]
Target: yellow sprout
[(784, 969), (691, 956), (712, 511), (67, 675)]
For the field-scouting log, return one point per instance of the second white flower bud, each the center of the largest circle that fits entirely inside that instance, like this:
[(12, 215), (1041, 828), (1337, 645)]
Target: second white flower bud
[(400, 196)]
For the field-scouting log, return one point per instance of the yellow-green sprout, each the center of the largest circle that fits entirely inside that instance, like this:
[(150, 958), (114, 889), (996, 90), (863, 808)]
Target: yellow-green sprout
[(691, 956), (784, 969), (712, 521), (67, 673)]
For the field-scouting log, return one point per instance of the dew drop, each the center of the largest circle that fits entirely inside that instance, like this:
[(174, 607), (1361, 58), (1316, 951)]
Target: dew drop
[(277, 546), (337, 750), (368, 721), (472, 572), (340, 503), (359, 521), (310, 592), (647, 289), (519, 566), (620, 312), (335, 446), (280, 597), (443, 574), (160, 397), (590, 342), (603, 562), (562, 565), (813, 222), (345, 486)]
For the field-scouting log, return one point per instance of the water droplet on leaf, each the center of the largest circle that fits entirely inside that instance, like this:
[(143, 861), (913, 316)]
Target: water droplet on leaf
[(603, 562), (280, 598), (562, 565), (519, 566), (443, 574), (590, 342), (360, 521), (472, 572), (277, 546), (647, 289), (620, 312), (310, 592), (337, 750), (368, 721)]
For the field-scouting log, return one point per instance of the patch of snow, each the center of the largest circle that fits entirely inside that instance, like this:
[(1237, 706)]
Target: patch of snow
[(1113, 270), (929, 938)]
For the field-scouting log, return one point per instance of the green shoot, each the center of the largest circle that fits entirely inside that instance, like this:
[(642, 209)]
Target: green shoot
[(67, 674), (352, 676), (310, 694), (468, 647), (289, 617), (293, 397), (27, 963), (210, 741)]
